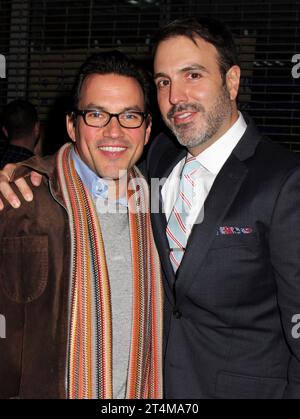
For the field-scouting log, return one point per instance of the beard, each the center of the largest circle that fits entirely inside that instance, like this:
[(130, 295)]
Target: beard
[(192, 134)]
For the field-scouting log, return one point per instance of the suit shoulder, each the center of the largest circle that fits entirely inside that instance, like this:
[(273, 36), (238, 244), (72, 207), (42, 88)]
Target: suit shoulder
[(163, 144), (163, 150), (276, 156), (279, 152)]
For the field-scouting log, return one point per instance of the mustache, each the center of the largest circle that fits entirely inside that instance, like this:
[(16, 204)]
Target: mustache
[(189, 107)]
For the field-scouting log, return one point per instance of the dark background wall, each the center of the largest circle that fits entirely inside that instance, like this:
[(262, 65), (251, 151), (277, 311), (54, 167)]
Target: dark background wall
[(44, 42)]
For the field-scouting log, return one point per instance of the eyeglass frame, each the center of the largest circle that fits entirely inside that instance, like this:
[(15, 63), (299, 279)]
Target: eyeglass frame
[(83, 112)]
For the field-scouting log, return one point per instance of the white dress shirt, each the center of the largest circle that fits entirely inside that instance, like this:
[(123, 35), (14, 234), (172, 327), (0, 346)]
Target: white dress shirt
[(212, 160)]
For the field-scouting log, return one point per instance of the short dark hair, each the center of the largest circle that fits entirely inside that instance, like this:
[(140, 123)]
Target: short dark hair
[(19, 118), (211, 30), (112, 62)]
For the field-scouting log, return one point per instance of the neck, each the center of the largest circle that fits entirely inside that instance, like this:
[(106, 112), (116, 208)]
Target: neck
[(23, 142)]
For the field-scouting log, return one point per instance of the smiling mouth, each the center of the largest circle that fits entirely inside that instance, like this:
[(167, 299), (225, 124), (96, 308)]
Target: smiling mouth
[(111, 149), (112, 152), (183, 117)]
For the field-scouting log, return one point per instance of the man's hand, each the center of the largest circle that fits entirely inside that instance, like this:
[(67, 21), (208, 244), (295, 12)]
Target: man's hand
[(8, 193)]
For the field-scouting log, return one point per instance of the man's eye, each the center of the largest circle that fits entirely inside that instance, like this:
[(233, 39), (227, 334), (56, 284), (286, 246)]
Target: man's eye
[(95, 115), (194, 76), (130, 116), (163, 83)]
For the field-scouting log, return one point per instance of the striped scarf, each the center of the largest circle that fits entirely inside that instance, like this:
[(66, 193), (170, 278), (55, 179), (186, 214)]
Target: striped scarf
[(90, 338)]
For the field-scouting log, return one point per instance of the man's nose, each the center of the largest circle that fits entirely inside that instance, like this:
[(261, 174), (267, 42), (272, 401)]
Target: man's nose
[(113, 129), (178, 93)]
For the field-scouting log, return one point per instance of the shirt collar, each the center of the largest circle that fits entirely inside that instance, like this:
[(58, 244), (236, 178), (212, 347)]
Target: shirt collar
[(214, 157), (96, 185)]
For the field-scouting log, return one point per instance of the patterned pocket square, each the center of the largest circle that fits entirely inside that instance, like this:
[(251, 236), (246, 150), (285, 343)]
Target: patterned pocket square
[(229, 231)]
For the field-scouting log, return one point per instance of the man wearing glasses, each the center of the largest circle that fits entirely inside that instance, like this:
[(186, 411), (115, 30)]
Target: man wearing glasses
[(81, 298)]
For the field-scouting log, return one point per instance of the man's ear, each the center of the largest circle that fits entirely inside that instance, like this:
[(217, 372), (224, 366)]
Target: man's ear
[(4, 130), (148, 128), (233, 76), (71, 126), (37, 130)]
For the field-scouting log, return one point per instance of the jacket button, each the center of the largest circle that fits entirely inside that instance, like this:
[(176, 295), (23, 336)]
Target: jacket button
[(177, 314)]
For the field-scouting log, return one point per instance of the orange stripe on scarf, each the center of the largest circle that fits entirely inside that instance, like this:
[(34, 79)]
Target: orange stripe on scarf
[(90, 349)]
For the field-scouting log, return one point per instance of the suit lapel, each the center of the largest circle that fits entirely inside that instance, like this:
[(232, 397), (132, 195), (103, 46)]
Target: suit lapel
[(220, 198), (159, 221)]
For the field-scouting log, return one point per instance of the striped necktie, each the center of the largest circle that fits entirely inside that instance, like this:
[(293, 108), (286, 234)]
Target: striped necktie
[(176, 231)]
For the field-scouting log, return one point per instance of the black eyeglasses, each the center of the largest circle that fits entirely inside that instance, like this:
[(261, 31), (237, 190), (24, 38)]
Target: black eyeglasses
[(99, 119)]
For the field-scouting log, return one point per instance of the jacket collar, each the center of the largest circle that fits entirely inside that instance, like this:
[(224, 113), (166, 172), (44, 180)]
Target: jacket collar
[(243, 150), (247, 145)]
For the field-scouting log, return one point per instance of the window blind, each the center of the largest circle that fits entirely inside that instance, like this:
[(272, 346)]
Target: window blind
[(45, 41)]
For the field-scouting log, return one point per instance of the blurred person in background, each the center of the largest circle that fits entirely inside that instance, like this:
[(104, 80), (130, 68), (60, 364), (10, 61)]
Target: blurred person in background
[(21, 127)]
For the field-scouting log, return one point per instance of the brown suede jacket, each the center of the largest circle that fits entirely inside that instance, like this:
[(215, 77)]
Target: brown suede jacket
[(34, 290)]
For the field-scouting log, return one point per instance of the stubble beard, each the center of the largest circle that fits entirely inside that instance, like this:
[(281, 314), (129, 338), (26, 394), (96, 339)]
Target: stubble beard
[(189, 135)]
